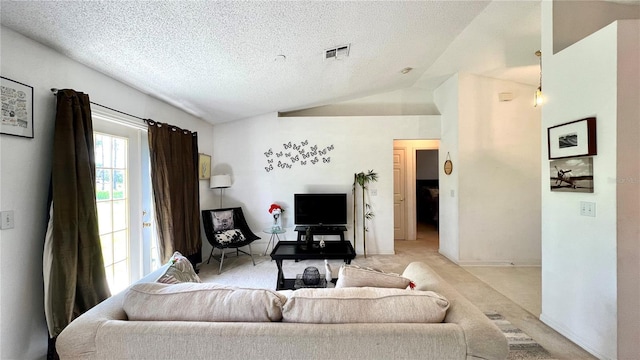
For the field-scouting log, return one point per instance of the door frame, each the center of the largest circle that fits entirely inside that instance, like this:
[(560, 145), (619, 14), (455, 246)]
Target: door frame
[(138, 248), (411, 147)]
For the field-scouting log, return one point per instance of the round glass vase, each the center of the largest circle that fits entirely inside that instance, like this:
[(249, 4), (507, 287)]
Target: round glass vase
[(277, 222)]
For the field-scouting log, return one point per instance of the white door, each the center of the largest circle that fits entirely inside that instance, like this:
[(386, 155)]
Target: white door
[(399, 208), (124, 202)]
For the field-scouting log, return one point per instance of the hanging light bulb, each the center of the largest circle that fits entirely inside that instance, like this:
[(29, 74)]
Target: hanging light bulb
[(538, 99)]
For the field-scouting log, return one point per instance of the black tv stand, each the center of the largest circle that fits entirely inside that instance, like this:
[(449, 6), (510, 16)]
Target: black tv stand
[(321, 230)]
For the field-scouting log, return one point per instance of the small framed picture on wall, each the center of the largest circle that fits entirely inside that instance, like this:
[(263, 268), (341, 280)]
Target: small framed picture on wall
[(575, 138), (572, 174), (204, 166), (17, 108)]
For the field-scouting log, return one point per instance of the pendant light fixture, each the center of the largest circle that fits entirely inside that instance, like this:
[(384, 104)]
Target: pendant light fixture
[(538, 96)]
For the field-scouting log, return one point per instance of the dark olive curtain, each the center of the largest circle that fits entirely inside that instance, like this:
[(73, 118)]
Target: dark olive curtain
[(174, 178), (74, 272)]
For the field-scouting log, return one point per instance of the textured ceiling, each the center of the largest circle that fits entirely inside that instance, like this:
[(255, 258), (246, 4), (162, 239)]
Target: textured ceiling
[(217, 60)]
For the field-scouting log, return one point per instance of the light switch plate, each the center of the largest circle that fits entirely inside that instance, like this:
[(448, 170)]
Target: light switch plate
[(6, 220), (587, 208)]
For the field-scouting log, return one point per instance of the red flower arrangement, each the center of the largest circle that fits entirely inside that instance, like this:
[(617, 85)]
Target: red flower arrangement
[(275, 207), (275, 210)]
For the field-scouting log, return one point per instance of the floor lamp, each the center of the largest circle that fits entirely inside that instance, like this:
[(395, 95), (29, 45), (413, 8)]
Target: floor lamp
[(220, 182)]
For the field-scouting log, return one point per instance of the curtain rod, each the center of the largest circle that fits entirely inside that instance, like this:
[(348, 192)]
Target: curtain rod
[(55, 92)]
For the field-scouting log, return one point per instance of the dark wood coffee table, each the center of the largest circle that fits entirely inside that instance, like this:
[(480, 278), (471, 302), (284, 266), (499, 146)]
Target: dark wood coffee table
[(296, 250)]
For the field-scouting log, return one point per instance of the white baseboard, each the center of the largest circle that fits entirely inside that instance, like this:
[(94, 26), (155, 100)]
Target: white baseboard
[(448, 256), (573, 337)]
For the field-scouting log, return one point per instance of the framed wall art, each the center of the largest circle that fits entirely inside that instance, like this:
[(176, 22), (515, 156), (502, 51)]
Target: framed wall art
[(448, 165), (17, 108), (575, 138), (204, 166), (572, 175)]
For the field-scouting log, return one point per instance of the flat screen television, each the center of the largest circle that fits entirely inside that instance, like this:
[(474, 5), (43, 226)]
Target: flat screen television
[(320, 209)]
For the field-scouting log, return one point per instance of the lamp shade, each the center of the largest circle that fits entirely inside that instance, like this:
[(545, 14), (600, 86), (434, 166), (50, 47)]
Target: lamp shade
[(220, 181)]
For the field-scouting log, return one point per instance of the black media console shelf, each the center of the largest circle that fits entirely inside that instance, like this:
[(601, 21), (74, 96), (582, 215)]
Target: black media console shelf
[(322, 230)]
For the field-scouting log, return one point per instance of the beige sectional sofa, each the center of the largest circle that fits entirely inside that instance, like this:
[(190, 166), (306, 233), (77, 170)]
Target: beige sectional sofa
[(106, 332)]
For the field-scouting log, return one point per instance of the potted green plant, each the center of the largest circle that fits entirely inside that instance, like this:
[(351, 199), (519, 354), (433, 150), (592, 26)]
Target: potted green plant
[(362, 179)]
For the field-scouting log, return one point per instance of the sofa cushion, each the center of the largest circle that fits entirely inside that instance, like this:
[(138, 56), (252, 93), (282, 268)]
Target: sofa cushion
[(364, 305), (356, 276), (201, 302), (179, 271)]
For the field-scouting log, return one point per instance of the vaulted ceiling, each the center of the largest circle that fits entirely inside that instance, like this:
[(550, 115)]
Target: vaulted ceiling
[(225, 61)]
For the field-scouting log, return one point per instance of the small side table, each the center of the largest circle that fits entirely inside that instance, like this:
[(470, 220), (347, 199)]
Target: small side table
[(275, 235)]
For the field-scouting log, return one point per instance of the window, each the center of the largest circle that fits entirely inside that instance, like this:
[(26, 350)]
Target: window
[(112, 200)]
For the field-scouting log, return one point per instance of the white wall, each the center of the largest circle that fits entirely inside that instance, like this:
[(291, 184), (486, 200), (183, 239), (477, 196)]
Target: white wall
[(490, 204), (26, 168), (578, 252), (499, 178), (447, 99), (360, 144)]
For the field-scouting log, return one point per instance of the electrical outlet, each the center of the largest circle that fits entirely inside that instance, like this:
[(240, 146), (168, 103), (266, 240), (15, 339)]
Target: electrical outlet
[(373, 192), (6, 220)]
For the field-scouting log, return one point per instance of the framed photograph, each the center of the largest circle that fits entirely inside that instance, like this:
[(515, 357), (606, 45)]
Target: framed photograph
[(576, 138), (17, 108), (204, 166), (572, 175)]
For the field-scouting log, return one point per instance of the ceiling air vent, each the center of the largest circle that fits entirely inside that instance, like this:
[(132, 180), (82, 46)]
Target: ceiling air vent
[(337, 53)]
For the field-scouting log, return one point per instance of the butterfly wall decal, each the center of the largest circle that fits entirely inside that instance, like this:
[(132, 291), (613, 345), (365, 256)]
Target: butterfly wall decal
[(308, 154)]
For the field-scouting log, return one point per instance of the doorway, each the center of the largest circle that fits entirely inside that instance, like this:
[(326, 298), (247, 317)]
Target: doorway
[(124, 201), (427, 197), (410, 211)]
